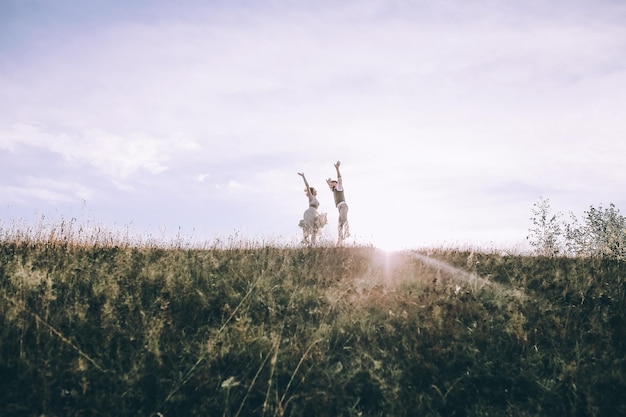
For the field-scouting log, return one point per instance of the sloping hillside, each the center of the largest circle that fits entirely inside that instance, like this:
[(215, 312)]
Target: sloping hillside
[(99, 330)]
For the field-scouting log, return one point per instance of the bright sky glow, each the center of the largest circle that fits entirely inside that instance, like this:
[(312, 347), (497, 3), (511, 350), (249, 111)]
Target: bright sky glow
[(451, 118)]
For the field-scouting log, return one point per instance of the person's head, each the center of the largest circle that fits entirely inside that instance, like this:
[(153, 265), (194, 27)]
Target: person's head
[(333, 184), (311, 190)]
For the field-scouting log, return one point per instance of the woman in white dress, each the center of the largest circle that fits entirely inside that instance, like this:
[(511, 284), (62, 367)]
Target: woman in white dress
[(312, 221)]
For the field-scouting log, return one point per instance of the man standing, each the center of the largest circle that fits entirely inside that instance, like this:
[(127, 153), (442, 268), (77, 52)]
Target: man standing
[(336, 186)]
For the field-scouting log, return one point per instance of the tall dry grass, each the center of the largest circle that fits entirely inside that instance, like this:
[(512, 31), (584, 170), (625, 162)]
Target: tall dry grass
[(119, 325)]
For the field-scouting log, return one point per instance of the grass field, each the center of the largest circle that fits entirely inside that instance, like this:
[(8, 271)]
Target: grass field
[(106, 327)]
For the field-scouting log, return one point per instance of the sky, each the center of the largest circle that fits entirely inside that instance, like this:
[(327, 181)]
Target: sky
[(192, 118)]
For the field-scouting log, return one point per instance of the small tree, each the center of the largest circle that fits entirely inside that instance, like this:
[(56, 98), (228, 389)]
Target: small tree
[(546, 234), (577, 242), (602, 233)]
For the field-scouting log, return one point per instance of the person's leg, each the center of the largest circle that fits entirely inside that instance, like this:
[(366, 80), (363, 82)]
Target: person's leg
[(339, 229), (303, 225), (343, 221), (310, 228)]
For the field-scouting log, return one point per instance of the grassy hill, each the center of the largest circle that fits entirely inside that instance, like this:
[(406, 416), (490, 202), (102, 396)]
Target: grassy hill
[(258, 330)]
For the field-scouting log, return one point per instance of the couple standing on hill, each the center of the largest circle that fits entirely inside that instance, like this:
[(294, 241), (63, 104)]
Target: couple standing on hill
[(313, 222)]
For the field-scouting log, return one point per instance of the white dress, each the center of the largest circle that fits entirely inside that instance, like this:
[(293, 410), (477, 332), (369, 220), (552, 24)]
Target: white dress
[(313, 221)]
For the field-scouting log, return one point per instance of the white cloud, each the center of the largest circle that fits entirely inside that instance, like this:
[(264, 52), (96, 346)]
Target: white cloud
[(46, 190), (115, 155)]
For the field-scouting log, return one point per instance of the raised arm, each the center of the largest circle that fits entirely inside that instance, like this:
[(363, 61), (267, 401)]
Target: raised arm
[(338, 173), (306, 184)]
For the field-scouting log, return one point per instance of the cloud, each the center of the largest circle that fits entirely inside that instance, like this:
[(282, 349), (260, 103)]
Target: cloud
[(114, 155), (46, 190), (256, 83)]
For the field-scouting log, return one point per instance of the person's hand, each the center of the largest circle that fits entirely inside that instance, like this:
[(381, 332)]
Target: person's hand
[(337, 164), (301, 174)]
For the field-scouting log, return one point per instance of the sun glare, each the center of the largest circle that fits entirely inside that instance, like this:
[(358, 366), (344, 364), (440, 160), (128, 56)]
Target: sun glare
[(389, 245)]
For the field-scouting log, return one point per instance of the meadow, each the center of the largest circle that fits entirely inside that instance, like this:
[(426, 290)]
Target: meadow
[(103, 326)]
